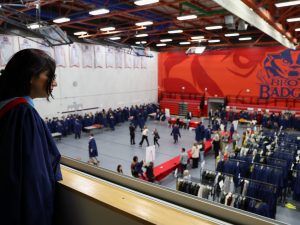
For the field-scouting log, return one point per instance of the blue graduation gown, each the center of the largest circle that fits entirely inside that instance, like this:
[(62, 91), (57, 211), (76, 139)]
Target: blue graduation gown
[(29, 168), (175, 133), (207, 134), (77, 127), (93, 151), (198, 133)]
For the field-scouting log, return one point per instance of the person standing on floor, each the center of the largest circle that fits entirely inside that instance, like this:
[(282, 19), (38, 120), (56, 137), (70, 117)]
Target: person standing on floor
[(216, 143), (183, 160), (195, 155), (210, 115), (93, 151), (189, 116), (132, 134), (244, 140), (155, 137), (149, 172), (201, 147), (231, 131), (235, 139), (145, 133), (207, 132), (176, 133), (30, 160), (77, 129)]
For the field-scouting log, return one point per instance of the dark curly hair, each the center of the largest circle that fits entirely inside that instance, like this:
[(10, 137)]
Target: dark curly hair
[(22, 67)]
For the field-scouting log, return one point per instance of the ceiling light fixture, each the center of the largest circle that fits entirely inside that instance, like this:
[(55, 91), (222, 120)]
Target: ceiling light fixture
[(115, 38), (146, 23), (140, 42), (284, 4), (165, 40), (34, 26), (214, 41), (61, 20), (296, 19), (245, 39), (198, 40), (175, 31), (187, 17), (79, 33), (107, 29), (161, 44), (214, 27), (141, 35), (231, 35), (99, 12), (184, 43), (145, 2), (197, 37), (297, 29)]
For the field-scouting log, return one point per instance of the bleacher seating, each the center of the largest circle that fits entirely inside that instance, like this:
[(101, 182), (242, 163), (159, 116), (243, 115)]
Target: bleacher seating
[(173, 105)]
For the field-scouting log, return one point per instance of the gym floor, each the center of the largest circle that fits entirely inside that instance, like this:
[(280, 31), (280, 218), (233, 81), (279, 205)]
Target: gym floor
[(114, 148)]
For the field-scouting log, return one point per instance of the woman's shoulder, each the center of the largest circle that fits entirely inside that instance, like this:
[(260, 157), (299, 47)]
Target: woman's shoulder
[(21, 111)]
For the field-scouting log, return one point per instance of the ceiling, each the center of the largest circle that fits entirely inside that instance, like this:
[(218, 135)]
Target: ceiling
[(124, 15)]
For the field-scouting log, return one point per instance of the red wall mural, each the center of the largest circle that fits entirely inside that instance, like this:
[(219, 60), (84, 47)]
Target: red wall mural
[(265, 73)]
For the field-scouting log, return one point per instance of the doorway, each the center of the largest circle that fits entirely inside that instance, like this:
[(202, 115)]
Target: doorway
[(215, 104)]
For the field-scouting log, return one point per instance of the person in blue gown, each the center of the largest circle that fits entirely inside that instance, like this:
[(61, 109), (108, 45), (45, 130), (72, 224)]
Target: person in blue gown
[(175, 133), (93, 151), (77, 129), (29, 164)]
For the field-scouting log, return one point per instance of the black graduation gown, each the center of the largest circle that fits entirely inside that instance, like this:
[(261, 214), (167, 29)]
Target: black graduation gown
[(29, 168)]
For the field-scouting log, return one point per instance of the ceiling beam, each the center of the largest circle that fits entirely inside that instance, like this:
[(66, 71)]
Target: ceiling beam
[(112, 14), (241, 9)]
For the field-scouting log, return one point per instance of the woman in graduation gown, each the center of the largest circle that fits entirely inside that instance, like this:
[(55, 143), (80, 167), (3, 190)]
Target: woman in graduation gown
[(29, 163)]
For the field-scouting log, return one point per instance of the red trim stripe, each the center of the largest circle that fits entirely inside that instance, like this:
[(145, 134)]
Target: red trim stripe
[(11, 105)]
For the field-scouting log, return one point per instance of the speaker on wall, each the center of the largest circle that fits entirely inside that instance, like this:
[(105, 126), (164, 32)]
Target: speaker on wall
[(242, 25), (229, 22)]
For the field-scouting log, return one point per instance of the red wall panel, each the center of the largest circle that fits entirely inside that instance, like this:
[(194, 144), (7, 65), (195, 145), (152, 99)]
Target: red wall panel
[(266, 73)]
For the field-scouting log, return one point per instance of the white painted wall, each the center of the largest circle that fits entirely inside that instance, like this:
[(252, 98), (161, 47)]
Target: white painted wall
[(99, 87)]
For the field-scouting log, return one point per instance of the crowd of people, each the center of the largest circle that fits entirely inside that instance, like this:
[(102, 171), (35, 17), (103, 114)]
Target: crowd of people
[(220, 130), (75, 123), (271, 120), (30, 165)]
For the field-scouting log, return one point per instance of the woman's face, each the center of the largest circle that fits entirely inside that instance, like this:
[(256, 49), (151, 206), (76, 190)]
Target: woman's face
[(39, 86)]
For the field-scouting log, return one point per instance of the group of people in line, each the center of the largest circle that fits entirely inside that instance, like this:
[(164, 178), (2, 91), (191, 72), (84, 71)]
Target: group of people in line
[(75, 123)]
